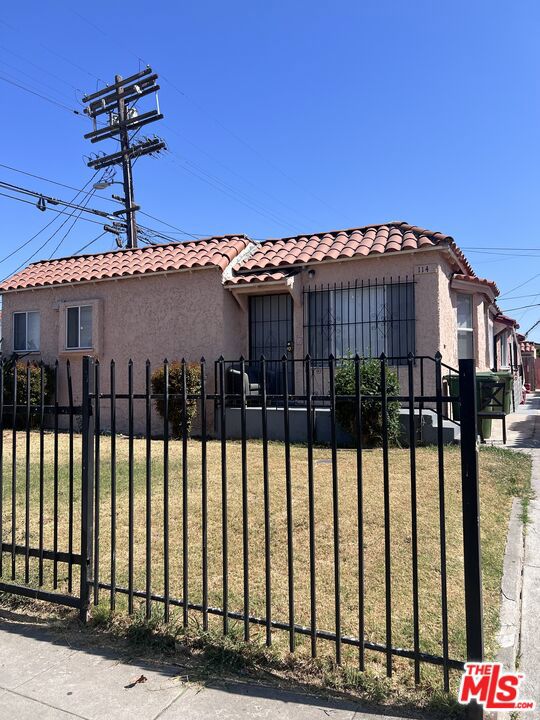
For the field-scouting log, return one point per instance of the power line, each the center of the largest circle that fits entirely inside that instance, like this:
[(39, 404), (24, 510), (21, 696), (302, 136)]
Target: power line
[(90, 243), (235, 172), (523, 307), (103, 197), (50, 209), (247, 204), (40, 95), (513, 253), (46, 226), (40, 68), (60, 242), (526, 282), (184, 232), (496, 247), (55, 201), (518, 297), (209, 114), (33, 79), (53, 182), (54, 52)]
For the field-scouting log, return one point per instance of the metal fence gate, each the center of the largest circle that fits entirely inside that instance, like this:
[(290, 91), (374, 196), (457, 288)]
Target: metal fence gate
[(168, 522), (46, 510)]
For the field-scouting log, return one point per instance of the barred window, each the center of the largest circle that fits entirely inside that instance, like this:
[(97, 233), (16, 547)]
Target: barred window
[(367, 318)]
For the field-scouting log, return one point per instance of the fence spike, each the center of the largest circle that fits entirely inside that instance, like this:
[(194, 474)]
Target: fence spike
[(438, 355)]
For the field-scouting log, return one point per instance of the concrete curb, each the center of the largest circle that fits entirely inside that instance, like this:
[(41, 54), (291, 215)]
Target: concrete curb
[(509, 634), (510, 615)]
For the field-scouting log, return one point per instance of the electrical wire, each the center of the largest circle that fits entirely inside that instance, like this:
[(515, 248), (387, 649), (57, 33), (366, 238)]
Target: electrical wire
[(43, 97), (262, 213), (104, 197), (90, 243), (40, 68), (209, 114), (517, 297), (526, 282), (53, 182), (46, 226), (61, 241), (54, 52), (54, 201), (523, 307), (242, 177), (33, 79)]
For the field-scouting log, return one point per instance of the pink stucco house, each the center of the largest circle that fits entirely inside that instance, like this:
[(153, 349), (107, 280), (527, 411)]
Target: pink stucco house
[(393, 288)]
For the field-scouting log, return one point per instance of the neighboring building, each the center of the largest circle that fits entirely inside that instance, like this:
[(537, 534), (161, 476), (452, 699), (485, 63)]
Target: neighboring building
[(531, 363), (392, 288)]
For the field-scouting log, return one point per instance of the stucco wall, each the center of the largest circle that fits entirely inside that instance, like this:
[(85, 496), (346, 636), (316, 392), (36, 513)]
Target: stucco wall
[(186, 314), (190, 314)]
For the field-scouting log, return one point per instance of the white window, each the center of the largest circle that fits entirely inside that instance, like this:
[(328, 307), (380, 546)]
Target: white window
[(79, 327), (25, 331), (465, 333), (504, 350), (490, 338)]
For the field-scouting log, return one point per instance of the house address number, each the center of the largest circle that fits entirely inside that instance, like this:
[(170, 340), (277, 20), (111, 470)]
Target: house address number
[(424, 269)]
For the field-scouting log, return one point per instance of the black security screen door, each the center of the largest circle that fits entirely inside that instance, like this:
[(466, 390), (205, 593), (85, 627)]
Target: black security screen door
[(271, 335)]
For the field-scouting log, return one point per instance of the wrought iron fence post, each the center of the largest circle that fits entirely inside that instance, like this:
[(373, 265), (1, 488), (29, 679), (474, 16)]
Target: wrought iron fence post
[(471, 520), (87, 489)]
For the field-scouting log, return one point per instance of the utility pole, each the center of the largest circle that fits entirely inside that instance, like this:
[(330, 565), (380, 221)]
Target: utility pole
[(118, 102)]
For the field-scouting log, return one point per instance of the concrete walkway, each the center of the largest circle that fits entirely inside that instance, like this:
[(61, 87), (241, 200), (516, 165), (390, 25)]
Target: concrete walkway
[(524, 434), (52, 675)]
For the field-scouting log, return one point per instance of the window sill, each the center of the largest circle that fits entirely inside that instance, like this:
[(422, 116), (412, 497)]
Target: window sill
[(77, 351)]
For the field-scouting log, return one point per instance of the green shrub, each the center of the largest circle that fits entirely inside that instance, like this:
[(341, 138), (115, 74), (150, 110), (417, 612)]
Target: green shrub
[(370, 384), (35, 388), (176, 381)]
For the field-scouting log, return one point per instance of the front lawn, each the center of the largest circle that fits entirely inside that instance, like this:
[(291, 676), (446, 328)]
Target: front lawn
[(503, 474)]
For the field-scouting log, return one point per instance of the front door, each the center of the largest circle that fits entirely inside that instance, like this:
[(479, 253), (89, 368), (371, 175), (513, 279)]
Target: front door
[(271, 335)]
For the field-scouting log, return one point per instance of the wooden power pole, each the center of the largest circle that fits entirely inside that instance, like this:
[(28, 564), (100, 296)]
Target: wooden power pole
[(118, 101)]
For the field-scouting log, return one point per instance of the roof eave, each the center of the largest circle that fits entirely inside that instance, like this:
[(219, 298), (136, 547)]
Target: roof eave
[(137, 276)]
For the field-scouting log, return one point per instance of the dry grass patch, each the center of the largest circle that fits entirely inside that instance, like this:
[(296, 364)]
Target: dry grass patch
[(503, 474)]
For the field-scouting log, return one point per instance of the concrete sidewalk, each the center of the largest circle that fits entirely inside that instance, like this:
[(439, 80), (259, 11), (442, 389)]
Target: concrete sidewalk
[(524, 434), (53, 675)]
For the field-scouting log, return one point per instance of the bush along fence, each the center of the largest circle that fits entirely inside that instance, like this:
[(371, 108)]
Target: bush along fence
[(352, 548)]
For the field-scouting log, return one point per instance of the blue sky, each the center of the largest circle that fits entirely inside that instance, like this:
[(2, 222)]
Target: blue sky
[(287, 117)]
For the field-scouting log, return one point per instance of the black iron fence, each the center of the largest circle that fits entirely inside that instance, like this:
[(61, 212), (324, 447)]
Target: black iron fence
[(295, 538)]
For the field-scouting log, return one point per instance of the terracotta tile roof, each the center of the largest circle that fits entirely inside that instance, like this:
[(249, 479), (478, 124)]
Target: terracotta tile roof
[(213, 252), (370, 240), (506, 320), (480, 281), (257, 278), (528, 347)]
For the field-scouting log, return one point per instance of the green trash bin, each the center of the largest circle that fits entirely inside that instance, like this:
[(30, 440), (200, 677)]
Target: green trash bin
[(508, 379), (484, 384), (453, 389), (483, 381)]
